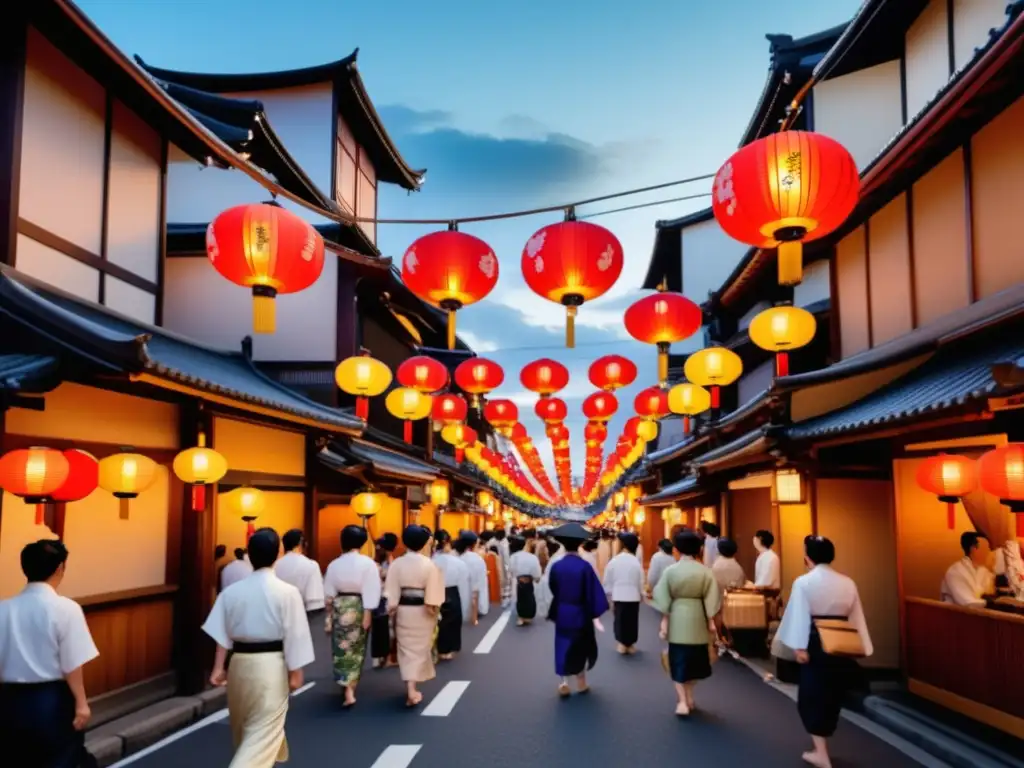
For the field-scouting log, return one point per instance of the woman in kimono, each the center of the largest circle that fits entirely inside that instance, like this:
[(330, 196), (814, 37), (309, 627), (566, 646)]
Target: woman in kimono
[(456, 597), (624, 585), (821, 593), (382, 634), (577, 603), (352, 591), (526, 573), (490, 555), (689, 599), (414, 589)]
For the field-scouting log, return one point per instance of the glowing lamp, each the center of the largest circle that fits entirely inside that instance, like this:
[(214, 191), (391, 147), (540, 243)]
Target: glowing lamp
[(450, 270), (950, 478), (781, 329), (651, 403), (422, 373), (544, 376), (647, 430), (595, 433), (268, 249), (126, 475), (448, 409), (569, 263), (639, 517), (713, 367), (1001, 473), (600, 406), (661, 319), (34, 474), (364, 377), (619, 499), (478, 376), (200, 466), (787, 188), (83, 477), (501, 413), (439, 493), (483, 498), (688, 400), (409, 405), (551, 410), (459, 436), (789, 487), (611, 372), (248, 503), (367, 504)]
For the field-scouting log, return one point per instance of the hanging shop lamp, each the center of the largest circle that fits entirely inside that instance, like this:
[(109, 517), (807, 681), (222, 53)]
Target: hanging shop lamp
[(246, 502), (450, 270), (662, 319), (439, 493), (34, 474), (789, 487), (784, 189), (200, 466), (949, 477), (781, 329), (126, 475), (367, 504), (268, 249), (600, 406), (478, 376), (1001, 473), (544, 376), (363, 377), (572, 262), (611, 372), (409, 405), (713, 367), (422, 373), (688, 400)]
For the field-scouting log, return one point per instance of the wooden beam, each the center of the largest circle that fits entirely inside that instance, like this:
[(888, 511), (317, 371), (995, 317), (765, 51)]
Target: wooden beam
[(13, 35)]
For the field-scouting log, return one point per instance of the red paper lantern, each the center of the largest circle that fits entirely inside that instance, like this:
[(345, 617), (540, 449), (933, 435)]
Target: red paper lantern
[(447, 408), (950, 478), (551, 410), (559, 434), (501, 413), (518, 434), (600, 406), (422, 373), (83, 477), (651, 403), (595, 433), (450, 270), (661, 319), (544, 376), (784, 189), (611, 372), (1001, 473), (266, 248), (478, 376), (34, 474), (572, 262)]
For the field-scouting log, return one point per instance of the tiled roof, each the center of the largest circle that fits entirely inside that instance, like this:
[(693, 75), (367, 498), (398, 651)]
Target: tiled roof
[(752, 443), (92, 332), (355, 453), (27, 372), (672, 491), (955, 377)]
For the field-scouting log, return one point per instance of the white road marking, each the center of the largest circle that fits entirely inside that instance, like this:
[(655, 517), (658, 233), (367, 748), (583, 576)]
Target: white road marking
[(397, 756), (488, 641), (216, 717), (445, 701)]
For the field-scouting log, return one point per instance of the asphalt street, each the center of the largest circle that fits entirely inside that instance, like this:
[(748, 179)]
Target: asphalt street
[(500, 709)]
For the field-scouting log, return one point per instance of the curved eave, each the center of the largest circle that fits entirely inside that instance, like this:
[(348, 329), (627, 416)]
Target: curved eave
[(666, 262), (353, 102)]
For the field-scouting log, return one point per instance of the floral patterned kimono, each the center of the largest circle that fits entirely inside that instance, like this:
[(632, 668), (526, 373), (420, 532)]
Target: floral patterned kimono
[(351, 586)]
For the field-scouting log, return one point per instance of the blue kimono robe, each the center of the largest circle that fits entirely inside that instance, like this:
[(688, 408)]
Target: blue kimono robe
[(577, 598)]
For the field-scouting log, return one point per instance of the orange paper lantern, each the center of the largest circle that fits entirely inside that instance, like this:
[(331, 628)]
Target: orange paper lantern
[(1001, 473), (34, 474), (950, 478)]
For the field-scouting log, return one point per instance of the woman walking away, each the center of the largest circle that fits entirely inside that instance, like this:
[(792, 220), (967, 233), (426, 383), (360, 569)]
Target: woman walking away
[(414, 589), (688, 597), (577, 603), (382, 634), (456, 597), (819, 598), (526, 572), (624, 585), (352, 592)]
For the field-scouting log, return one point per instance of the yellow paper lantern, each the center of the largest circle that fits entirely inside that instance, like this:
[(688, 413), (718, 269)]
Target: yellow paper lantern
[(409, 405), (483, 498), (248, 503), (364, 377), (780, 329), (713, 367), (640, 516), (647, 430), (367, 504), (439, 493), (126, 475), (199, 467), (688, 400)]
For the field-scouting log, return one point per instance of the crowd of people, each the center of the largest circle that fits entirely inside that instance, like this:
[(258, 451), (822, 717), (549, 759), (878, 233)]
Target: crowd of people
[(408, 612)]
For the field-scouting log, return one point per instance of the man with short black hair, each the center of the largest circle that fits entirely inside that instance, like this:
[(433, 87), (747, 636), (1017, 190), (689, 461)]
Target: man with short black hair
[(767, 568), (300, 571), (968, 579), (236, 570), (262, 621), (44, 643)]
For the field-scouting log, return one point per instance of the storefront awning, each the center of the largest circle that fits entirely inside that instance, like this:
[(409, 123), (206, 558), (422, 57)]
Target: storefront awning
[(959, 378), (364, 460), (72, 329)]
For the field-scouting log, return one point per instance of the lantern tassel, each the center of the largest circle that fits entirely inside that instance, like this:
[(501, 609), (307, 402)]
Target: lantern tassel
[(124, 508), (951, 514), (662, 364), (264, 314), (791, 258), (1019, 517), (716, 399), (250, 529), (781, 364), (363, 408), (686, 425), (451, 329), (570, 327), (198, 497), (40, 512), (407, 431), (460, 454)]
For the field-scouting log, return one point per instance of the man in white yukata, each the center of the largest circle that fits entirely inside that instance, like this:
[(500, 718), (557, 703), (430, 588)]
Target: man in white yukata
[(767, 567), (262, 621), (526, 573), (480, 602), (457, 594), (711, 533), (969, 579), (236, 570), (660, 560), (624, 585), (300, 571), (44, 643)]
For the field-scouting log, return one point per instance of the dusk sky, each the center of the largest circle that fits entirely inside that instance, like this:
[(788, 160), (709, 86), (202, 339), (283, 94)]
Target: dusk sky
[(513, 106)]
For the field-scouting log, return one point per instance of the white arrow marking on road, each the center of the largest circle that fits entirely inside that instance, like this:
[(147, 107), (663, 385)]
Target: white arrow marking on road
[(397, 756), (445, 701), (493, 633)]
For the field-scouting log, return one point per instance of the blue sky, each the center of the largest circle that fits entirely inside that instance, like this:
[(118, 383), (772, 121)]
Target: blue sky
[(511, 106)]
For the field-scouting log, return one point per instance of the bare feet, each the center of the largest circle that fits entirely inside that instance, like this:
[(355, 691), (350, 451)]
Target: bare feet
[(350, 698), (631, 650), (446, 656), (682, 709), (583, 688), (519, 622), (620, 648), (412, 699), (817, 759), (563, 690)]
